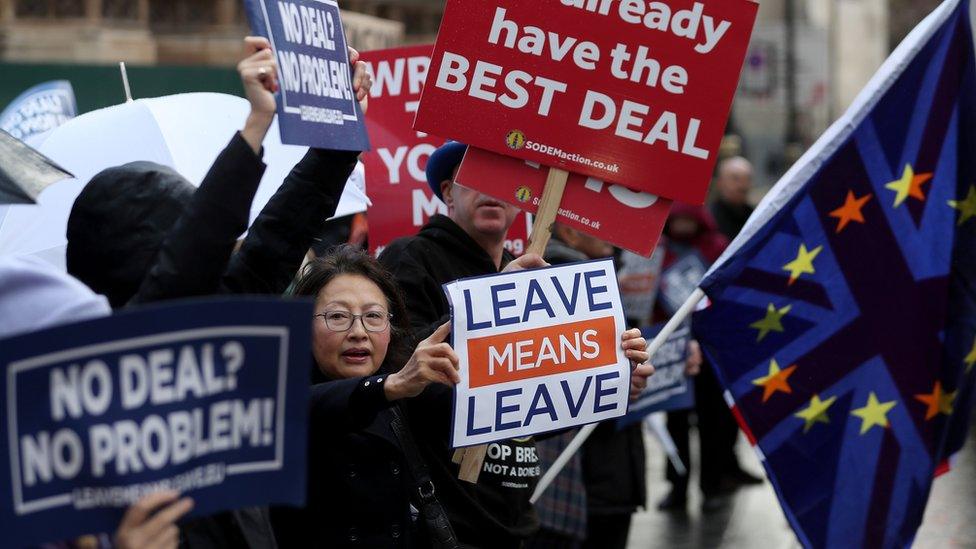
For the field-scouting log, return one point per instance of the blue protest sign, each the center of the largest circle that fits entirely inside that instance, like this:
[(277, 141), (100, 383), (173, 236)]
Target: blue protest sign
[(39, 109), (679, 280), (316, 104), (208, 398), (669, 388)]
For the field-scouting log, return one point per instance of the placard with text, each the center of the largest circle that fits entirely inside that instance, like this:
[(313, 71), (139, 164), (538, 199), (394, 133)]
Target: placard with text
[(629, 219), (539, 350), (316, 103), (208, 398), (402, 200), (629, 91)]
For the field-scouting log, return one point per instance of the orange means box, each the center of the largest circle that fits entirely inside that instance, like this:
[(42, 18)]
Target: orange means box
[(542, 351)]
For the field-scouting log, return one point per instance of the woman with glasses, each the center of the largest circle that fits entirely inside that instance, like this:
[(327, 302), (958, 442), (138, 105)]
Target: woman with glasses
[(359, 483)]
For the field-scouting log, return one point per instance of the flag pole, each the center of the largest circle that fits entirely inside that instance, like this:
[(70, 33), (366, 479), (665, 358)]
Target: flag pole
[(125, 82), (679, 317)]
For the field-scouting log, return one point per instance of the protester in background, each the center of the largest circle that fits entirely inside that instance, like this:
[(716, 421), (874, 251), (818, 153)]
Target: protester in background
[(469, 241), (691, 230), (140, 233), (360, 486), (35, 296), (731, 208)]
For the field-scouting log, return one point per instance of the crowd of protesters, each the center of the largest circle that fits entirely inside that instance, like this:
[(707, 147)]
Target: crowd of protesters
[(381, 469)]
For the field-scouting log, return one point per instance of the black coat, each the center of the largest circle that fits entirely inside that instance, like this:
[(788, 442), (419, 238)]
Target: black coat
[(359, 484)]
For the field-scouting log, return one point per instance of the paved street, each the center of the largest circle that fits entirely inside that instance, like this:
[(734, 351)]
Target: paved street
[(753, 518)]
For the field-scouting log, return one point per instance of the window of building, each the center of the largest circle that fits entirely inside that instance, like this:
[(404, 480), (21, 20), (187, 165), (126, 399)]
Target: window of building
[(49, 9)]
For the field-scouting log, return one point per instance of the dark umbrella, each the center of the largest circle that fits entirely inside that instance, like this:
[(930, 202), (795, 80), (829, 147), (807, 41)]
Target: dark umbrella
[(24, 172)]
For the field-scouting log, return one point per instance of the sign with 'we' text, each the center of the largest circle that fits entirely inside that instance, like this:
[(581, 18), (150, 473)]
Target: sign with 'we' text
[(539, 351)]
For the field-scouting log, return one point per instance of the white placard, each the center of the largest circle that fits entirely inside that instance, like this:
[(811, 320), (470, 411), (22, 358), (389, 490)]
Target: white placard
[(539, 350)]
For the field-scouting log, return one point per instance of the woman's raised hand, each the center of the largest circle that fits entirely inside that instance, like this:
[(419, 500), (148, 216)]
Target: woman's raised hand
[(434, 361)]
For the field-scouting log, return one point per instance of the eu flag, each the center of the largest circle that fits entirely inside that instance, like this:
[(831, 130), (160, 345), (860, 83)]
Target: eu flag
[(842, 322)]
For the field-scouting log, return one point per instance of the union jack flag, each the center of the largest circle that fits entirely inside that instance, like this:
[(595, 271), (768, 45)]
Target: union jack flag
[(843, 319)]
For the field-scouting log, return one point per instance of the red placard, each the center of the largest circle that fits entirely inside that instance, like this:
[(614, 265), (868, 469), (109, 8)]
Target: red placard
[(629, 219), (629, 91), (402, 201)]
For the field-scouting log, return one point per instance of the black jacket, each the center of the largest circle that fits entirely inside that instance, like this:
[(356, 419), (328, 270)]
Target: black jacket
[(495, 512), (359, 484), (730, 218), (139, 233)]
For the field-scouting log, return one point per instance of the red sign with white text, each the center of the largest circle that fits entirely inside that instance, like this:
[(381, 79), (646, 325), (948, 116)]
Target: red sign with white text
[(628, 91), (397, 186), (629, 219)]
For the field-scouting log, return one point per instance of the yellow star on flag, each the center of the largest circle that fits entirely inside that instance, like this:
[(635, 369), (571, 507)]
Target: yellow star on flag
[(874, 413), (967, 207), (816, 412), (938, 402), (776, 380), (803, 264), (909, 185), (772, 321), (970, 359)]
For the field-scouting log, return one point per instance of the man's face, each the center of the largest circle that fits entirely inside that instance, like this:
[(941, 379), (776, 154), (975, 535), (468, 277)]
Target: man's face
[(476, 213), (734, 182)]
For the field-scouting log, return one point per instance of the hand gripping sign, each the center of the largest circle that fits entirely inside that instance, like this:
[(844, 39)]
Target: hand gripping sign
[(316, 104), (539, 351), (629, 91), (207, 398)]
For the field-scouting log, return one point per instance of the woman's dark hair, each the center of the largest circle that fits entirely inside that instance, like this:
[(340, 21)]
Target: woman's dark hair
[(346, 260)]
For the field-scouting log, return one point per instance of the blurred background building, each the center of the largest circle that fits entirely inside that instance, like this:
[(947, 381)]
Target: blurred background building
[(807, 61)]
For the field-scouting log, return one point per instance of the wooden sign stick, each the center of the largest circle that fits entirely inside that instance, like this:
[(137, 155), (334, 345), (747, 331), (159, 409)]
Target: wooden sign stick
[(472, 458)]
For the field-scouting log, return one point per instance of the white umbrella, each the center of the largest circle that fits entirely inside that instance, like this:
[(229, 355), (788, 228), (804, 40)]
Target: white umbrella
[(185, 132)]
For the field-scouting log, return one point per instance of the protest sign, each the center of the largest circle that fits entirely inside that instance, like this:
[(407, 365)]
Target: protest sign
[(639, 278), (208, 398), (316, 104), (539, 350), (612, 90), (402, 202), (39, 109), (669, 388), (680, 279), (629, 219)]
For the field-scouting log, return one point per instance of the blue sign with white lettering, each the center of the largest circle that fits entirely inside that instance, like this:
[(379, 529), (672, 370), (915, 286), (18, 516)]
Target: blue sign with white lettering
[(208, 398), (679, 280), (316, 104), (39, 109), (669, 388)]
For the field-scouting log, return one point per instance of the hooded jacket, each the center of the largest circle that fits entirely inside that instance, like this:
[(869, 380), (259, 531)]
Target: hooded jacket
[(118, 223), (139, 233)]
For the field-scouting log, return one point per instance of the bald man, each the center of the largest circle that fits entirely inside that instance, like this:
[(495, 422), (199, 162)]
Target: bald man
[(733, 183)]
